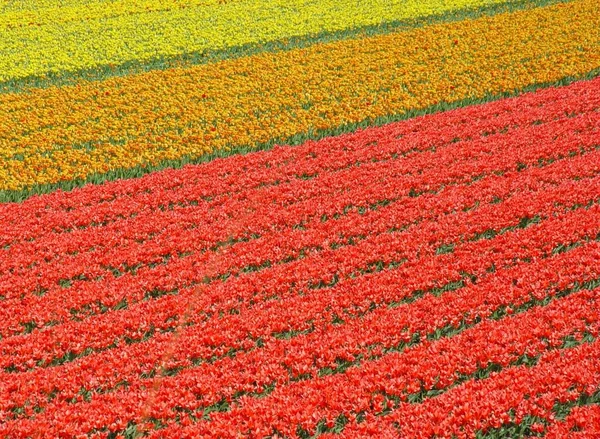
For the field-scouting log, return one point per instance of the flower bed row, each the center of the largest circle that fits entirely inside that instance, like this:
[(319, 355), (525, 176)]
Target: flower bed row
[(103, 126), (313, 312)]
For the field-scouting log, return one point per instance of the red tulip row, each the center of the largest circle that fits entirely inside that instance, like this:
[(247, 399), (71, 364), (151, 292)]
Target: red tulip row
[(47, 308), (250, 372), (560, 376), (55, 306), (297, 311), (111, 201), (582, 422), (180, 239), (306, 402), (232, 331), (101, 331)]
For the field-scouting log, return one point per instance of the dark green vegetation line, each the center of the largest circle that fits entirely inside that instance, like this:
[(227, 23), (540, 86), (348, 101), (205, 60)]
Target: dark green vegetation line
[(15, 196), (190, 59)]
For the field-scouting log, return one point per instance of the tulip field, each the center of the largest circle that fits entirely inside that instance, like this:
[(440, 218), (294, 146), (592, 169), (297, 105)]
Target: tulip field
[(298, 219)]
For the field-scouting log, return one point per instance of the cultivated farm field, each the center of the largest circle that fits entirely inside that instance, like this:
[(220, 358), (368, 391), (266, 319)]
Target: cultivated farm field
[(300, 219)]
